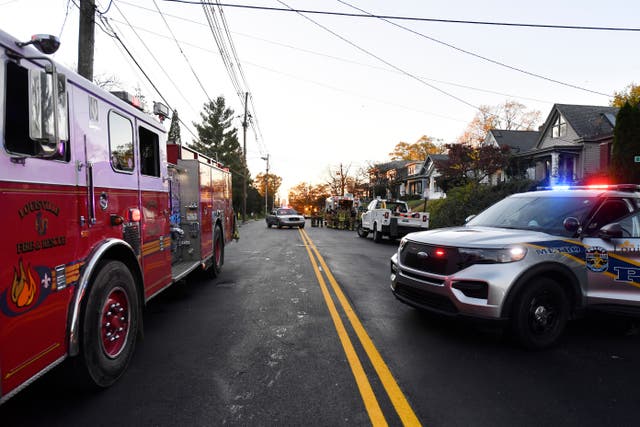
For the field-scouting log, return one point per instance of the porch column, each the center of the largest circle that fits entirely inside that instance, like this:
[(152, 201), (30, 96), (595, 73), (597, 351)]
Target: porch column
[(553, 176)]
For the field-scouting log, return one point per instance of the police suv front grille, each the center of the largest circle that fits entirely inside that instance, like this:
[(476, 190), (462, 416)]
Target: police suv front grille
[(426, 299), (430, 258)]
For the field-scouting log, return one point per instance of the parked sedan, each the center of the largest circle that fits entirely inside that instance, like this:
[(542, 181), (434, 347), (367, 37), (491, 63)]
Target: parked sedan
[(285, 217)]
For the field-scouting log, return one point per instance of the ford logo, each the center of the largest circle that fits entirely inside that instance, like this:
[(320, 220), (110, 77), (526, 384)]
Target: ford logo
[(422, 255)]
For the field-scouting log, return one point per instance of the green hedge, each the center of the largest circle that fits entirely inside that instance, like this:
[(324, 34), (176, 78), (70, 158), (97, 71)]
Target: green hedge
[(470, 199)]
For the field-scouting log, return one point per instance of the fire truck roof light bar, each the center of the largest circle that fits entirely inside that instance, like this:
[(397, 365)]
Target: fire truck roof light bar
[(128, 98)]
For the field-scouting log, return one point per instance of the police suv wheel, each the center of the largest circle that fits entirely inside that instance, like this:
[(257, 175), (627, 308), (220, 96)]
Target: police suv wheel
[(110, 323), (540, 313)]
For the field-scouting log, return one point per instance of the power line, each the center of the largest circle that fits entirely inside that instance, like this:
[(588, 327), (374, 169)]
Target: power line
[(108, 29), (410, 18), (228, 53), (182, 52), (395, 67), (152, 56), (484, 58), (337, 58), (106, 10), (254, 121), (413, 76)]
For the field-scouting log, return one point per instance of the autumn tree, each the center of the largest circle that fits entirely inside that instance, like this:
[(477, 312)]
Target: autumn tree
[(419, 150), (511, 115), (272, 189), (307, 198), (630, 94), (470, 164), (338, 179), (626, 143), (218, 139)]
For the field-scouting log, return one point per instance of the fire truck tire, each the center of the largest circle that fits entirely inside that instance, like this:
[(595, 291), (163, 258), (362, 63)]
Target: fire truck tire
[(540, 313), (110, 323), (218, 253), (377, 236)]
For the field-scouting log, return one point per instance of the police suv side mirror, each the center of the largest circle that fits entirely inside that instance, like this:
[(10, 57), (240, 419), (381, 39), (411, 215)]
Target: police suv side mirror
[(610, 231), (571, 224)]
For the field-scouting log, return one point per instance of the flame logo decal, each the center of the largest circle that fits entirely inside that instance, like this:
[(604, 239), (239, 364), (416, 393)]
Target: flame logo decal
[(24, 288)]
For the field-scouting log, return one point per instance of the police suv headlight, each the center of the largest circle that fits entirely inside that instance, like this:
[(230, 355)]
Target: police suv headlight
[(492, 256)]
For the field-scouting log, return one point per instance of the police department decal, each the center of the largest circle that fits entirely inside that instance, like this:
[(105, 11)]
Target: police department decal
[(597, 259)]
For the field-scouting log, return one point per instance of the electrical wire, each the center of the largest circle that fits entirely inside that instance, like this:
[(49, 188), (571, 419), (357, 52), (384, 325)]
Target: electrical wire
[(106, 10), (179, 91), (324, 55), (254, 117), (484, 58), (182, 52), (384, 61), (409, 18), (222, 36), (106, 27)]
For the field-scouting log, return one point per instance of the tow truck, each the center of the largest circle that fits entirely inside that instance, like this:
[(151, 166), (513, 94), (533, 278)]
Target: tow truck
[(390, 218)]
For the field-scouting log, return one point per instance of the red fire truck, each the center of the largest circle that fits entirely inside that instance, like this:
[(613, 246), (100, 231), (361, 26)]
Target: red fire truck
[(101, 215)]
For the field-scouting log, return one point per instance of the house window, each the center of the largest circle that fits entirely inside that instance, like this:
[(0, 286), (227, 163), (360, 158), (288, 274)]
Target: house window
[(559, 127)]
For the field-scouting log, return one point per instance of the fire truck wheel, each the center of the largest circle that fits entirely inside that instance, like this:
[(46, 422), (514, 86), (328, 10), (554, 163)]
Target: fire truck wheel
[(218, 253), (110, 323)]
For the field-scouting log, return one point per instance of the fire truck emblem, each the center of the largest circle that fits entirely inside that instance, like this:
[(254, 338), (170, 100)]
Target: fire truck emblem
[(597, 259), (41, 224), (24, 288)]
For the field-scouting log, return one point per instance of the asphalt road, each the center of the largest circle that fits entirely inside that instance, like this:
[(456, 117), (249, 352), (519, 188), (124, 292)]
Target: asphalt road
[(274, 341)]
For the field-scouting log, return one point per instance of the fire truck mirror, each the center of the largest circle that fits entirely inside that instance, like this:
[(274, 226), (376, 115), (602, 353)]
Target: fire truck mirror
[(48, 111)]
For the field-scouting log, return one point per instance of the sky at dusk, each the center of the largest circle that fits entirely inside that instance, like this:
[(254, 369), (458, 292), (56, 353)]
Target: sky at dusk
[(329, 89)]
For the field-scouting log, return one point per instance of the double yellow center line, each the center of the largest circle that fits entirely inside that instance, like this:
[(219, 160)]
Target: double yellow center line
[(397, 398)]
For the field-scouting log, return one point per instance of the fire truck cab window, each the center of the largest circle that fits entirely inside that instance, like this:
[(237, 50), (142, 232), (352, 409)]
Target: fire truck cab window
[(16, 131), (121, 143), (149, 152)]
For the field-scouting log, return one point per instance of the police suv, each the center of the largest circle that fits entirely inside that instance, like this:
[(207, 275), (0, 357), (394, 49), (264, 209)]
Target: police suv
[(534, 259)]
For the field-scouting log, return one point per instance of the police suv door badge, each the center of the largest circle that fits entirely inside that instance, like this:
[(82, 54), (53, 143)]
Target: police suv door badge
[(597, 259)]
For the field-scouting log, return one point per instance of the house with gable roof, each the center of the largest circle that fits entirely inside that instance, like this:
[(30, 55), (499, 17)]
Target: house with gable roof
[(519, 141), (431, 172), (574, 142)]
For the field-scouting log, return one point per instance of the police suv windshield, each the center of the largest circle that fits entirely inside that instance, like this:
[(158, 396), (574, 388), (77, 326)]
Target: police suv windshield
[(543, 212)]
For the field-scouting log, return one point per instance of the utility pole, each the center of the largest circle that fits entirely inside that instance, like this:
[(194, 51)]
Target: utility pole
[(244, 155), (266, 187), (86, 38)]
